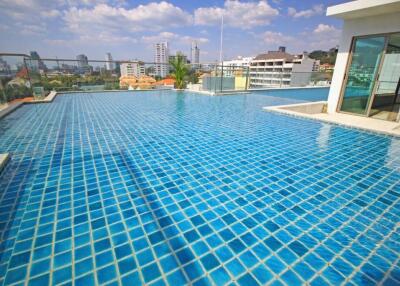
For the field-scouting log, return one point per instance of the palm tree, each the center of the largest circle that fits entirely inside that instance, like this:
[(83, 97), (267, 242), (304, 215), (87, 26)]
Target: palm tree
[(180, 71)]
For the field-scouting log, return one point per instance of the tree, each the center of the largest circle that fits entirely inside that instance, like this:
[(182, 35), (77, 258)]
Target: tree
[(325, 57), (180, 71)]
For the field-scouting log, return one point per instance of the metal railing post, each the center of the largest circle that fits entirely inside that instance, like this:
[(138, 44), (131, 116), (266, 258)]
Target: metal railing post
[(247, 78), (222, 75), (215, 79)]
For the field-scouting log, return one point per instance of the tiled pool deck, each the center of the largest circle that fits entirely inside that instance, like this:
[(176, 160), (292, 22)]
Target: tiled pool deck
[(173, 188)]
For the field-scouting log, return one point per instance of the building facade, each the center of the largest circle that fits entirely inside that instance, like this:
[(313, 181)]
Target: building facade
[(281, 69), (135, 68), (195, 54), (5, 68), (179, 54), (161, 58), (83, 64), (36, 62), (240, 64), (366, 78), (109, 62)]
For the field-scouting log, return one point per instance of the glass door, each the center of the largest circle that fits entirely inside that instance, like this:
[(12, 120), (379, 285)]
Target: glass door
[(362, 72), (386, 101)]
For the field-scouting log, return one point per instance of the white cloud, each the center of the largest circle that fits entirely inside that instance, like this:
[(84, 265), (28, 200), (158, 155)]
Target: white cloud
[(237, 14), (31, 30), (169, 36), (102, 38), (153, 16), (320, 37), (324, 36), (161, 37), (276, 38), (315, 10), (28, 9), (323, 28), (50, 13)]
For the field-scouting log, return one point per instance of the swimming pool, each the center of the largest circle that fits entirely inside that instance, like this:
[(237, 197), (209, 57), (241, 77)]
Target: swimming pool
[(177, 188)]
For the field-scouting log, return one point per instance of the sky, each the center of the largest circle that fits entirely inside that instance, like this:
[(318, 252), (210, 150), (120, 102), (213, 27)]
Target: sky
[(129, 28)]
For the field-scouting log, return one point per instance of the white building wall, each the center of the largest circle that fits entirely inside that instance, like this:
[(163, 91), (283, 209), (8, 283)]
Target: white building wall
[(136, 69), (237, 64), (377, 24), (109, 63), (161, 57), (279, 73)]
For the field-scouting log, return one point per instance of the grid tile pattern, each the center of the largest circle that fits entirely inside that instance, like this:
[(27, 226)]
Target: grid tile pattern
[(174, 188)]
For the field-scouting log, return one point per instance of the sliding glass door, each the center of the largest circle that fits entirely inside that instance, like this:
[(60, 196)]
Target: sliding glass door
[(372, 86), (361, 74), (386, 101)]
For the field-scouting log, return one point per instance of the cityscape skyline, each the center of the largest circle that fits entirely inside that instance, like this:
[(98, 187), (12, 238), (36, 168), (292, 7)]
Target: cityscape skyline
[(129, 30)]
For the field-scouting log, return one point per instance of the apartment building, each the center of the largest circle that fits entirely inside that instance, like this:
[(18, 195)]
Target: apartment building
[(161, 57), (239, 64), (195, 54), (109, 62), (135, 68), (281, 69), (179, 54)]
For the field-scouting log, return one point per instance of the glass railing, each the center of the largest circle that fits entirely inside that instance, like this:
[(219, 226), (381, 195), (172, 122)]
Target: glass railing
[(15, 81), (25, 78), (228, 79)]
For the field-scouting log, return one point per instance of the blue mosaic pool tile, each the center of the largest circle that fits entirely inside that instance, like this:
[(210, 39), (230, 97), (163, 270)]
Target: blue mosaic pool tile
[(161, 188), (151, 272)]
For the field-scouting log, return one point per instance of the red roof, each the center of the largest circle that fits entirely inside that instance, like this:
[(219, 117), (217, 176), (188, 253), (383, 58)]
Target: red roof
[(166, 81)]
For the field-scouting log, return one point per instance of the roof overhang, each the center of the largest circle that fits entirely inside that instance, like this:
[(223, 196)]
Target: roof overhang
[(363, 8)]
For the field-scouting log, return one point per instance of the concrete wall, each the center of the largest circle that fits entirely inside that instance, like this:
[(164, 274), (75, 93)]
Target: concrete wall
[(212, 83), (301, 73), (240, 82), (385, 23)]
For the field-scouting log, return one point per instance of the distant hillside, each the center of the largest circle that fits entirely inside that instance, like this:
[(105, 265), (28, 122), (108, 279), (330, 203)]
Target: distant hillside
[(325, 57)]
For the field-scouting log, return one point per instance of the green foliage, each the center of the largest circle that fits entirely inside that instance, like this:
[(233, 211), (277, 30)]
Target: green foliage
[(71, 82), (325, 57), (10, 93), (180, 71), (192, 76), (111, 85)]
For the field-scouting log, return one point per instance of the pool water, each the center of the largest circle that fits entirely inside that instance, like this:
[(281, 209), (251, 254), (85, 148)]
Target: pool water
[(174, 188)]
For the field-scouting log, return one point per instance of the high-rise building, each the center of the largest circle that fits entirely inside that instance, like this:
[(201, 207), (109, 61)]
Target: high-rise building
[(82, 60), (36, 62), (4, 67), (83, 63), (195, 54), (179, 54), (161, 57), (109, 62), (135, 68)]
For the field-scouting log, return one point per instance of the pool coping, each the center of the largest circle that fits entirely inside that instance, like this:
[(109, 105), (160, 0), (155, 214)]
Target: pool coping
[(365, 124), (12, 107), (4, 158), (211, 93), (289, 87)]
